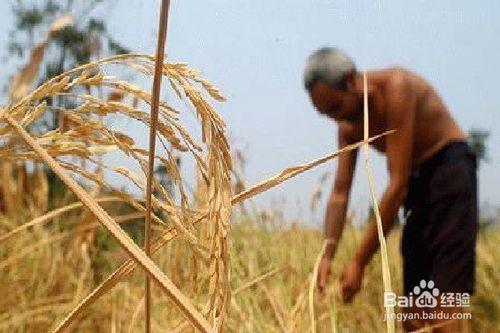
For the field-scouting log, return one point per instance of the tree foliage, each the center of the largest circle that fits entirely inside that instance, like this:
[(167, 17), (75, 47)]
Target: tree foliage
[(477, 139), (85, 40), (74, 45)]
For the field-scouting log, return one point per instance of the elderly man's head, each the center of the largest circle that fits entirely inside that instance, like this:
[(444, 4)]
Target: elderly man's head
[(330, 79)]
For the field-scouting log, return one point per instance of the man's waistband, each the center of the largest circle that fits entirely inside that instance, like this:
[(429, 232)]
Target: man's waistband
[(449, 152)]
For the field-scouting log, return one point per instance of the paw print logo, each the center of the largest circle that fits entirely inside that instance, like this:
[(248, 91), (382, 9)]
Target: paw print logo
[(426, 294)]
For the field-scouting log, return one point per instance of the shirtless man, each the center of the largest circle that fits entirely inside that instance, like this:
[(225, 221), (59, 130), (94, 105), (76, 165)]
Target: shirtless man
[(432, 173)]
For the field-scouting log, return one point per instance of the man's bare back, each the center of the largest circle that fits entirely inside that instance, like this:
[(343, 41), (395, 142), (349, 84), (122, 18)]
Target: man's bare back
[(434, 126)]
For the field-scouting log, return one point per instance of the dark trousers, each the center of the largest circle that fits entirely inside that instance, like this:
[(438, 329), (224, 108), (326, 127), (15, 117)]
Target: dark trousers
[(439, 237)]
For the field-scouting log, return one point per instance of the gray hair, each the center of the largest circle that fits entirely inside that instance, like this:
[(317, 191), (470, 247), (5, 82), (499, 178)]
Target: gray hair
[(330, 64)]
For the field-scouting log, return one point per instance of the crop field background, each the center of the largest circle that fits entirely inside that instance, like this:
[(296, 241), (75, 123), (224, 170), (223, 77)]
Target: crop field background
[(90, 217), (47, 270)]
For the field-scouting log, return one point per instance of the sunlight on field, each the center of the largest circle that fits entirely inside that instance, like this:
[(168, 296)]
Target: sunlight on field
[(74, 252), (46, 270)]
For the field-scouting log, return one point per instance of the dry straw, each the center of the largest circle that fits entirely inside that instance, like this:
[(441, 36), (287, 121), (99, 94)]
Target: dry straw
[(171, 232), (312, 286), (25, 77), (160, 51), (84, 137), (128, 244), (386, 274)]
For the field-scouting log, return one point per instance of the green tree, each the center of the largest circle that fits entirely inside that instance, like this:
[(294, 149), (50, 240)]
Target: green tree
[(85, 40), (477, 139), (76, 44)]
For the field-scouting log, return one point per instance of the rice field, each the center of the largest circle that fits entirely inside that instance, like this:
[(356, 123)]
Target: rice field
[(74, 252), (47, 270)]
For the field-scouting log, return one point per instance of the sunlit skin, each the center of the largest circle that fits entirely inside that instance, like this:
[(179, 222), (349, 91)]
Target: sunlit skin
[(399, 100)]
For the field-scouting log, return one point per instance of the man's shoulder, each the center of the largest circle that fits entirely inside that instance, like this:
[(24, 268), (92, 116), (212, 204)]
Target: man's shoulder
[(398, 80), (395, 74), (400, 77)]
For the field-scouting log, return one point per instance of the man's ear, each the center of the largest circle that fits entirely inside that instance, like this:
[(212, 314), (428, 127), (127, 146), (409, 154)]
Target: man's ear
[(350, 78)]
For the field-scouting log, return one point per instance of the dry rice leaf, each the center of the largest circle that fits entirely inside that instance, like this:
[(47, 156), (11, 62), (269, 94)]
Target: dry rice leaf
[(257, 280), (132, 249), (128, 266), (29, 118), (312, 286), (61, 22), (84, 137), (51, 215), (125, 269), (293, 171), (386, 274), (25, 77)]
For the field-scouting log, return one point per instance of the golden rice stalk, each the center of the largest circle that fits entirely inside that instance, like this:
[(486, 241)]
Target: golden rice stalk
[(386, 274), (135, 314), (277, 312), (40, 190), (312, 286), (171, 233), (21, 183), (22, 81), (63, 235), (160, 50), (132, 249), (113, 279), (25, 77), (295, 310), (8, 188), (257, 280), (294, 171), (83, 138)]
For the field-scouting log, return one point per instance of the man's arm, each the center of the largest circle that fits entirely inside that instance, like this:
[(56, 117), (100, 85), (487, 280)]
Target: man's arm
[(339, 197), (337, 206), (400, 115)]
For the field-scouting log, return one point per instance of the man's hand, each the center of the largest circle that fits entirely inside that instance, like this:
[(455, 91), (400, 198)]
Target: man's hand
[(323, 273), (350, 280)]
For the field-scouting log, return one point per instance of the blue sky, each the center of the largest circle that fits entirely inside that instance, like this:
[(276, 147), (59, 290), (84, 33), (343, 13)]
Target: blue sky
[(255, 51)]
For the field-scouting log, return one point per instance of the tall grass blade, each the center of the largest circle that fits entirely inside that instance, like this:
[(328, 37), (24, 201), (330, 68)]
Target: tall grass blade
[(386, 274), (155, 100)]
